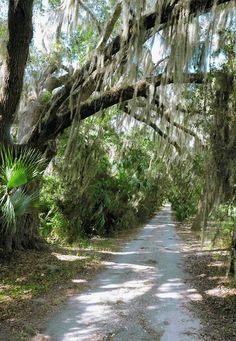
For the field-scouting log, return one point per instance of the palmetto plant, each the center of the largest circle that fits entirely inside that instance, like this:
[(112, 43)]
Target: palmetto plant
[(17, 170)]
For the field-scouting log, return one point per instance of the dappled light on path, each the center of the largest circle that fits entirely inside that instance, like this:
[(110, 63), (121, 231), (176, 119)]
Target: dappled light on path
[(68, 258), (142, 295)]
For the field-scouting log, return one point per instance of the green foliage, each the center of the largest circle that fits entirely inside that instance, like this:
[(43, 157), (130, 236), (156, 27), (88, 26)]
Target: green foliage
[(46, 96), (112, 184), (186, 186), (54, 3), (221, 224), (18, 169), (54, 222)]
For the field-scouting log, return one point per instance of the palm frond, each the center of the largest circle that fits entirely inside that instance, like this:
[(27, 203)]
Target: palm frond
[(8, 214), (17, 170), (23, 202), (17, 177)]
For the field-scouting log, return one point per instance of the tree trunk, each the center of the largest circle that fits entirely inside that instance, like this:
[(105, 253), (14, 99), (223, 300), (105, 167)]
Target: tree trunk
[(26, 234), (20, 34), (232, 263), (218, 183), (20, 30), (25, 237)]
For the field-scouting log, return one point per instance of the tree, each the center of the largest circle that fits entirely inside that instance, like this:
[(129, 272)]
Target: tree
[(119, 70)]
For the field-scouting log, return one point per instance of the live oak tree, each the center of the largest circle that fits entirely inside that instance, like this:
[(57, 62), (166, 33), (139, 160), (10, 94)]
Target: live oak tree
[(118, 71)]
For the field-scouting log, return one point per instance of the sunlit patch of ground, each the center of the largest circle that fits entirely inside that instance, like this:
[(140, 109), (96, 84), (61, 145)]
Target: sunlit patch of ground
[(35, 283), (28, 280), (221, 292), (207, 267), (68, 258)]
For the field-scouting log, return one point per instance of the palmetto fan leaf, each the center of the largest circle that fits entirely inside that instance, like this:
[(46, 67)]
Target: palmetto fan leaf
[(23, 202), (17, 170), (8, 213)]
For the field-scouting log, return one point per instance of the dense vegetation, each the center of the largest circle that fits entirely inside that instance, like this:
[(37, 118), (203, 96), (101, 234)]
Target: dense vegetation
[(117, 181), (160, 77), (108, 110)]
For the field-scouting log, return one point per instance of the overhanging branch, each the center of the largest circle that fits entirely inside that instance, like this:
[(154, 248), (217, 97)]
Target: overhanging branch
[(51, 125), (148, 22)]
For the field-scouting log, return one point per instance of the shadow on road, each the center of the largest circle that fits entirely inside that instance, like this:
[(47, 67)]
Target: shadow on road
[(142, 295)]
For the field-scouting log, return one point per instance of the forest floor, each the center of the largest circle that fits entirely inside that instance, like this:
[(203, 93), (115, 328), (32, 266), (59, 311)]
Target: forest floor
[(161, 282), (207, 268), (34, 284)]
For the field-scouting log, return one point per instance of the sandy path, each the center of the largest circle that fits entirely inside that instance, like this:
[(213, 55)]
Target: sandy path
[(141, 296)]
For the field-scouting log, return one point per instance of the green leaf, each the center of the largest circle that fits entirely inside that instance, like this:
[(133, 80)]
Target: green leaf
[(18, 169), (19, 177), (23, 202), (8, 214)]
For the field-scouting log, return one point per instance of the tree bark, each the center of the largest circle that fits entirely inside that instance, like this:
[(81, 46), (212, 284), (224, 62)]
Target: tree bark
[(25, 237), (26, 233), (223, 153), (20, 34), (232, 264), (20, 31), (148, 23), (54, 123), (218, 184)]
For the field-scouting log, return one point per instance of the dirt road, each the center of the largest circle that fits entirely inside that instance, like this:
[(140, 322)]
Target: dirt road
[(141, 296)]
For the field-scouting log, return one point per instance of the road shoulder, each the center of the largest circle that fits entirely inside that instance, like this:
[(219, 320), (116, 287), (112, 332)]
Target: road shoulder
[(207, 268)]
